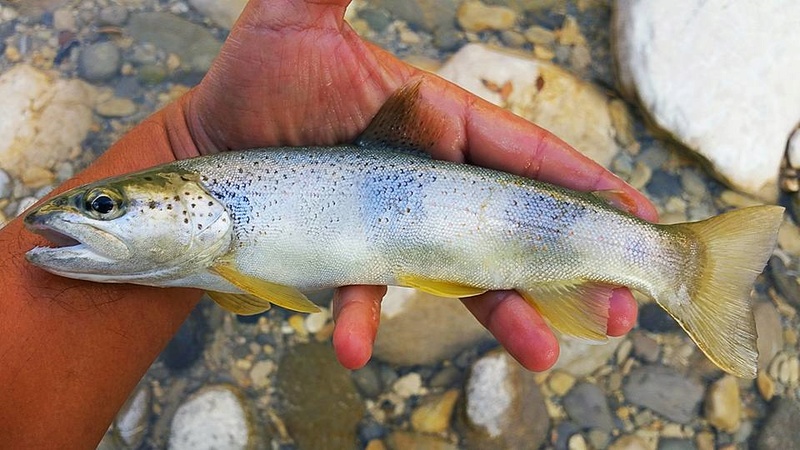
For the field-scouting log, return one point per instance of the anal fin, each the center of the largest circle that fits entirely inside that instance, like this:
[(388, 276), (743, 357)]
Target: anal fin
[(574, 307), (438, 287), (242, 304), (283, 296)]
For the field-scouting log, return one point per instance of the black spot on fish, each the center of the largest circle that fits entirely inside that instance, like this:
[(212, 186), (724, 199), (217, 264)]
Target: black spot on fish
[(176, 198), (152, 204), (199, 226), (185, 220), (169, 206), (210, 203)]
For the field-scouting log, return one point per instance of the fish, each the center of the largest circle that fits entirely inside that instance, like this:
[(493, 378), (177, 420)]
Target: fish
[(261, 226)]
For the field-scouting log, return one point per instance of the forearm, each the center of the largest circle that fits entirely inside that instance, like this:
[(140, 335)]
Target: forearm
[(71, 351)]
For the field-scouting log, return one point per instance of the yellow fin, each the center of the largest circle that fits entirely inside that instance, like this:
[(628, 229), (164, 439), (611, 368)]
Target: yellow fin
[(242, 304), (735, 247), (283, 296), (574, 307), (440, 288)]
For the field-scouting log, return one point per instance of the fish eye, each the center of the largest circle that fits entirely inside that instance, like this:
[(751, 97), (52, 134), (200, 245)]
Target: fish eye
[(103, 204)]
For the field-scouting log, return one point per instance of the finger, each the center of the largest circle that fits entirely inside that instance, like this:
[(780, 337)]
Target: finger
[(356, 313), (622, 312), (517, 326)]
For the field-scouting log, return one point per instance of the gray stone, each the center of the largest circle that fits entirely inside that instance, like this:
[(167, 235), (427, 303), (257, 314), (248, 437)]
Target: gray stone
[(669, 56), (770, 332), (645, 347), (418, 328), (665, 391), (581, 358), (195, 45), (780, 431), (113, 15), (222, 12), (99, 62), (504, 407), (675, 444), (368, 380), (321, 406), (212, 418), (6, 186), (786, 282), (428, 15), (587, 406), (130, 426)]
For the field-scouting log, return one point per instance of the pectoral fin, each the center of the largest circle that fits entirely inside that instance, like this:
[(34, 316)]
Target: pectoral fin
[(437, 287), (283, 296), (575, 307), (245, 305)]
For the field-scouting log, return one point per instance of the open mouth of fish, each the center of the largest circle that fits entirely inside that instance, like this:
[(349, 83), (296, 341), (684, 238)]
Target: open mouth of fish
[(71, 241)]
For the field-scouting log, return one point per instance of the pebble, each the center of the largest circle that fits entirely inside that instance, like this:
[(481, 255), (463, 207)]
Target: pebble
[(315, 322), (675, 444), (577, 442), (770, 332), (475, 16), (570, 33), (629, 442), (99, 62), (645, 348), (766, 387), (64, 20), (540, 36), (408, 385), (260, 373), (212, 418), (404, 440), (560, 382), (116, 107), (114, 15), (587, 406), (640, 176), (665, 391), (130, 425), (704, 440), (368, 380), (723, 405), (434, 413)]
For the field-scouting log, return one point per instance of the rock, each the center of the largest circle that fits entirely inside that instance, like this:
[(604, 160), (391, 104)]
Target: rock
[(629, 442), (704, 440), (195, 45), (669, 56), (113, 15), (188, 344), (418, 328), (64, 20), (766, 387), (43, 121), (723, 406), (580, 358), (130, 425), (675, 444), (644, 347), (540, 36), (260, 372), (476, 17), (433, 414), (560, 382), (789, 236), (212, 418), (428, 15), (653, 318), (222, 12), (577, 442), (665, 391), (404, 440), (322, 407), (99, 62), (35, 8), (526, 6), (315, 322), (504, 407), (780, 430), (770, 332), (116, 107), (5, 185), (408, 385), (368, 380), (587, 406), (541, 92)]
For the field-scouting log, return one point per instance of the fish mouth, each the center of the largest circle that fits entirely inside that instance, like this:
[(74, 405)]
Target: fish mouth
[(78, 246)]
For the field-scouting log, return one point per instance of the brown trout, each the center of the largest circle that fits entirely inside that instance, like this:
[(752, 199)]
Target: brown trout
[(259, 226)]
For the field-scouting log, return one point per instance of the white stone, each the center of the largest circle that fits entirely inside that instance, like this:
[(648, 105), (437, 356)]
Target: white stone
[(408, 385), (131, 422), (214, 418), (793, 149), (543, 93), (488, 396), (720, 76), (316, 321), (43, 120), (5, 184), (222, 12), (581, 358)]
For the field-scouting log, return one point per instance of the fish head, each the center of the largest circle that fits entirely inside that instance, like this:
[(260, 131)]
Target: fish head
[(151, 228)]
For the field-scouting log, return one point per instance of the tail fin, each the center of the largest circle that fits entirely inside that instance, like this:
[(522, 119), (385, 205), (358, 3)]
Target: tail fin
[(735, 247)]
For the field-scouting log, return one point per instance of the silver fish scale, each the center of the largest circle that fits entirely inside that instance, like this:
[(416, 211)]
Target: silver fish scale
[(347, 215)]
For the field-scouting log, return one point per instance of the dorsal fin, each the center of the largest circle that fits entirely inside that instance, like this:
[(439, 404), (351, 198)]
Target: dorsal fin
[(403, 123)]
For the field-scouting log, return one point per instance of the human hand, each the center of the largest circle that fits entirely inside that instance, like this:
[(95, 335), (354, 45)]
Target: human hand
[(294, 73)]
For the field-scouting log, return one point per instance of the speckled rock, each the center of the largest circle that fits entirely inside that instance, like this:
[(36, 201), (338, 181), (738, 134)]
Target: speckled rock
[(43, 121), (541, 92), (212, 418), (504, 407), (669, 54), (322, 407), (780, 431), (419, 328), (665, 391)]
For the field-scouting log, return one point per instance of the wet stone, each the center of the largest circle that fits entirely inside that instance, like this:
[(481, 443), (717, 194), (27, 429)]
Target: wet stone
[(770, 333), (587, 406), (370, 430), (113, 15), (645, 348), (433, 413), (723, 406), (213, 418), (653, 318), (322, 407), (665, 391), (99, 62), (368, 380), (130, 425), (188, 344), (5, 184), (675, 444), (780, 431), (785, 282)]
